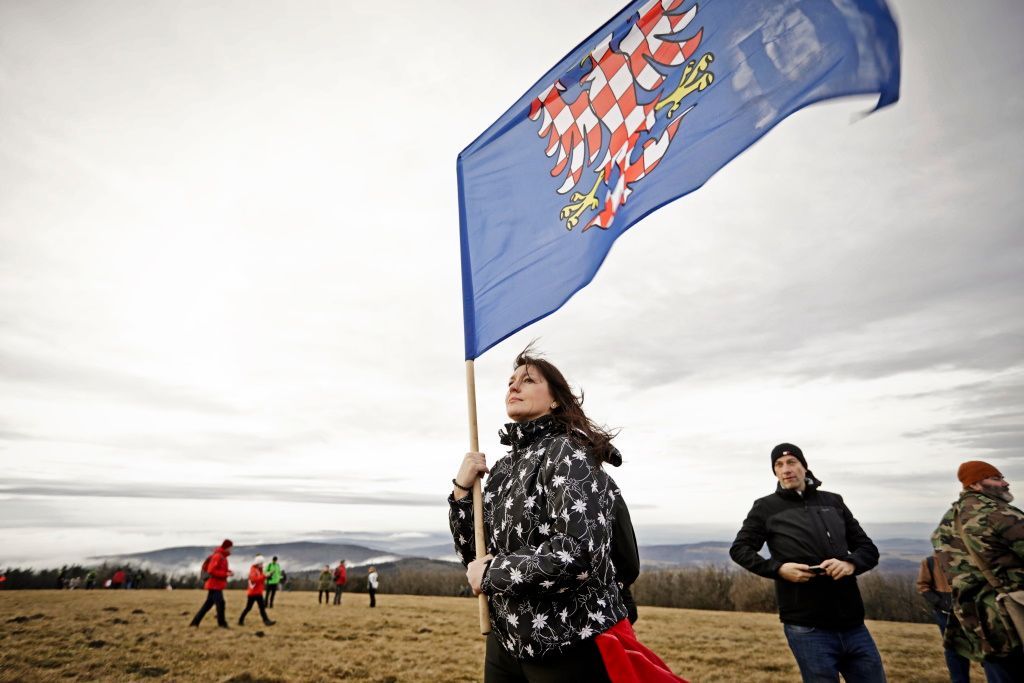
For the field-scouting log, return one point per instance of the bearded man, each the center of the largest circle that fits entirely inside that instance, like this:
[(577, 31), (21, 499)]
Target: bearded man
[(980, 545)]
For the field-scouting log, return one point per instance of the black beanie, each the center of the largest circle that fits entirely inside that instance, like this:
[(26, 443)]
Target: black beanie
[(795, 451)]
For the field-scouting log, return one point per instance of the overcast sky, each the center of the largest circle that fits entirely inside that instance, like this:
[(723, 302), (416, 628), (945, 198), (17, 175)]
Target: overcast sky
[(230, 301)]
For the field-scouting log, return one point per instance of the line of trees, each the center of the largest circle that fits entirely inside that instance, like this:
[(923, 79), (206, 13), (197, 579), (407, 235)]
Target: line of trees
[(889, 597)]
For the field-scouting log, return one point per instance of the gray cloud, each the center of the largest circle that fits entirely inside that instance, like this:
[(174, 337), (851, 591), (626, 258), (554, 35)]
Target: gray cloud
[(74, 489), (988, 417), (53, 373)]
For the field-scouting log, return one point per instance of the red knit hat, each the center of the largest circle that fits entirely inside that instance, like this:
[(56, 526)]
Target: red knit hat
[(973, 471)]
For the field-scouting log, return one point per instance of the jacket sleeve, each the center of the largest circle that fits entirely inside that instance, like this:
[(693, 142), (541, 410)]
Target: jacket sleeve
[(460, 520), (625, 553), (749, 540), (579, 544), (863, 553)]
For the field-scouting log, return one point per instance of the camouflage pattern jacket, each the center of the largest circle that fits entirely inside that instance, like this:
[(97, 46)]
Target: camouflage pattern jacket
[(995, 531)]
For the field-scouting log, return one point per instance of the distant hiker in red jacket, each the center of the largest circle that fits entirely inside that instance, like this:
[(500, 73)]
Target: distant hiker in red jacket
[(117, 580), (216, 566), (340, 578), (257, 580)]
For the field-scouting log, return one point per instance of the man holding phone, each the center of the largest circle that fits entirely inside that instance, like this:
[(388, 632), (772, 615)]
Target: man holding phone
[(816, 549)]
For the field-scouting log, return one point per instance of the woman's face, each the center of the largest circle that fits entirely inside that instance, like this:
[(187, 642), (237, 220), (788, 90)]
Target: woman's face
[(529, 395)]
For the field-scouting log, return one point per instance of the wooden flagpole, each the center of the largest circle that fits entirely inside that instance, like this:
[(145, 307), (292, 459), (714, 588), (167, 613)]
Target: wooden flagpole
[(478, 498)]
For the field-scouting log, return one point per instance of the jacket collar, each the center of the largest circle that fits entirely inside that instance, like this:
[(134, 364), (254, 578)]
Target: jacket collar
[(812, 487), (982, 495), (521, 434)]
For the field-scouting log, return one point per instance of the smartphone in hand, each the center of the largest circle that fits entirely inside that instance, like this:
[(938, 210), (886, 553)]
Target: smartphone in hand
[(817, 569)]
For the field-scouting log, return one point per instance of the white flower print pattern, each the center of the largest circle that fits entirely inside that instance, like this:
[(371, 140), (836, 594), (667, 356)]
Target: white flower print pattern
[(546, 560)]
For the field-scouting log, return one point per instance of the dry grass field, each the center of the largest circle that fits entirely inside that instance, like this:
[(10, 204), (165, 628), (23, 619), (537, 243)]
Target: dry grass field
[(144, 636)]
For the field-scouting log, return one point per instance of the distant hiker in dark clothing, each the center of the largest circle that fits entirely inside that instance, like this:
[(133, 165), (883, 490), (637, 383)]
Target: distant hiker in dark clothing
[(90, 580), (325, 586), (934, 587), (340, 578), (216, 566), (817, 548), (371, 585), (273, 580), (255, 592)]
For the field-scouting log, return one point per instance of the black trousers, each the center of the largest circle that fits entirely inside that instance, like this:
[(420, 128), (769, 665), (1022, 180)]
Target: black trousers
[(337, 594), (271, 591), (581, 663), (325, 596), (258, 601), (213, 599), (373, 598)]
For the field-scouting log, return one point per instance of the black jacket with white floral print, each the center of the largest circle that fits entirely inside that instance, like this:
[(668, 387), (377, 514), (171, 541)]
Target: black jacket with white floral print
[(548, 523)]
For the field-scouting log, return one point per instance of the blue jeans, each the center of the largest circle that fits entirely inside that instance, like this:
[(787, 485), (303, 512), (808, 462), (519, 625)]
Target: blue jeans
[(822, 654), (1005, 669), (958, 665)]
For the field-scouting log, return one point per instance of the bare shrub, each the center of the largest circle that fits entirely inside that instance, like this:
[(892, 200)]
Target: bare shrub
[(695, 588), (893, 597), (888, 597), (752, 593)]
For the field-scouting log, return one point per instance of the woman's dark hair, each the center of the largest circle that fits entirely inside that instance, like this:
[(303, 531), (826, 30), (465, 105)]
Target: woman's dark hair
[(569, 411)]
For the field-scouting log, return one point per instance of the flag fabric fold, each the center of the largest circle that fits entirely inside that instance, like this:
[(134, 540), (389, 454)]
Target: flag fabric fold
[(641, 113)]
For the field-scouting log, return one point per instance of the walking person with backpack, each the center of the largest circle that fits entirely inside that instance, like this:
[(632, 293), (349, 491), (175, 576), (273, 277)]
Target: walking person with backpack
[(255, 593), (933, 586), (340, 578), (216, 568), (273, 581)]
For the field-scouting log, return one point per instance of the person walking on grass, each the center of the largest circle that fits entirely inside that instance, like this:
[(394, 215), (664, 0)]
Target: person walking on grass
[(980, 546), (340, 578), (255, 593), (933, 586), (325, 586), (216, 568), (817, 548), (273, 581), (549, 512), (371, 585)]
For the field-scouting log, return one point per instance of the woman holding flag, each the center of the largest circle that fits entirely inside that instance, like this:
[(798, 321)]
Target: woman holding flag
[(556, 610)]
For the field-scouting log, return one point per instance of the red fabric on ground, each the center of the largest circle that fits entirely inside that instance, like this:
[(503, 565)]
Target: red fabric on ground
[(628, 661)]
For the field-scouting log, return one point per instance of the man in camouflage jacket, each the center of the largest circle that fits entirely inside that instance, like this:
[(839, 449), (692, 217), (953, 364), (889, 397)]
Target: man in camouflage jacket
[(993, 530)]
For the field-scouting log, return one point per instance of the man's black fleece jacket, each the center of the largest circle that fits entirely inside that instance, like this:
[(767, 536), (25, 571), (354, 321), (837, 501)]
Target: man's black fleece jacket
[(807, 528)]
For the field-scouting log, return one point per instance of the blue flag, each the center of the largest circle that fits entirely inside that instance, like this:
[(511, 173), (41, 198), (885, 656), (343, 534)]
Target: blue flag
[(639, 114)]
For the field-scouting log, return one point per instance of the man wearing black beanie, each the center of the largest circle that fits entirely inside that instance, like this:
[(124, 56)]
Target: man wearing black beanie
[(817, 547)]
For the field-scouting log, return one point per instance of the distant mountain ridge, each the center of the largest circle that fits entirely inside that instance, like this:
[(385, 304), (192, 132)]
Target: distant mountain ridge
[(897, 555), (297, 556)]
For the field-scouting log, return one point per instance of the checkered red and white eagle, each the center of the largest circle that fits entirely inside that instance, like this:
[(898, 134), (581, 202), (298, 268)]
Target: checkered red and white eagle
[(621, 101)]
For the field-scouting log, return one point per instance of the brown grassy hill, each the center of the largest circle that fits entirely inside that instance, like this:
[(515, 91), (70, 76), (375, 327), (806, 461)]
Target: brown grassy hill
[(144, 635)]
